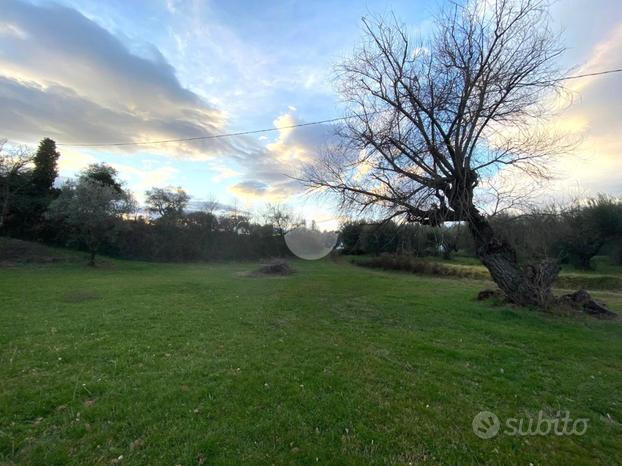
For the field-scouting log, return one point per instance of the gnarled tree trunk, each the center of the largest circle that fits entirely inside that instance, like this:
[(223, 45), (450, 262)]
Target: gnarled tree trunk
[(529, 285)]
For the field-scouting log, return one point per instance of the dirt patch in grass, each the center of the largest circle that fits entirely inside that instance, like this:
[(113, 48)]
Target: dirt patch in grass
[(276, 267), (80, 296)]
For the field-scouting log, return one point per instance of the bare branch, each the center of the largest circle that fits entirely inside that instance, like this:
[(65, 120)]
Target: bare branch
[(432, 120)]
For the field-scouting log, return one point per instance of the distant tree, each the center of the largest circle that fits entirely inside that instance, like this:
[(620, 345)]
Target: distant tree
[(204, 221), (589, 227), (536, 233), (407, 239), (379, 238), (45, 168), (103, 174), (367, 237), (167, 203), (14, 176), (211, 205), (92, 210), (28, 209), (235, 223), (281, 218), (448, 238), (199, 228), (350, 236)]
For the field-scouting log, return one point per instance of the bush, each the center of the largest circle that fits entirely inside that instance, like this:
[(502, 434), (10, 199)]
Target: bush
[(417, 265), (429, 267)]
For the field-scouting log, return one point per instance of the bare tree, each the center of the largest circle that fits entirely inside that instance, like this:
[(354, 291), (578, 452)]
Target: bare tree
[(210, 206), (430, 121), (14, 163), (281, 218)]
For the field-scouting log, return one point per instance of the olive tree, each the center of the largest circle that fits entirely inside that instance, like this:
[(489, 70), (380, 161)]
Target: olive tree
[(92, 209), (431, 122)]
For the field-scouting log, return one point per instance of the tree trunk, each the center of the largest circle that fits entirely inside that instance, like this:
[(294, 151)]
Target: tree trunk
[(529, 285), (585, 261)]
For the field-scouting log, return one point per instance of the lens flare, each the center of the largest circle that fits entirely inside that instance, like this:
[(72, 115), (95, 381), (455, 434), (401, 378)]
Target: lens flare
[(311, 244)]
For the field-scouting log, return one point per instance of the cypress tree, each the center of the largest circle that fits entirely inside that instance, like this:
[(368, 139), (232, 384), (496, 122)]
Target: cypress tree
[(46, 168)]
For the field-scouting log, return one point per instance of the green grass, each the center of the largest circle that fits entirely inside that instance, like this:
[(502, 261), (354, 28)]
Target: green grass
[(336, 364)]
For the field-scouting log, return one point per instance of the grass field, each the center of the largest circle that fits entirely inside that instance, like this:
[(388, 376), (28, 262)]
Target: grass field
[(135, 363)]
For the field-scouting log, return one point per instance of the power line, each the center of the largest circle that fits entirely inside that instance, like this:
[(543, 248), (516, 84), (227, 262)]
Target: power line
[(597, 73), (267, 130), (213, 136)]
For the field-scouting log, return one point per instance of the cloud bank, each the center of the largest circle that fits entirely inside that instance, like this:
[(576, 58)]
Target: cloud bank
[(270, 171), (64, 76)]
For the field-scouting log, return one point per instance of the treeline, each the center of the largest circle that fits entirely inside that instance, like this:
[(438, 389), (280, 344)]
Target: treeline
[(94, 212), (363, 237), (572, 234)]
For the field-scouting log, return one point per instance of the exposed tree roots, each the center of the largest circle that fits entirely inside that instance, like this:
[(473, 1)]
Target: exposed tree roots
[(580, 301), (583, 301)]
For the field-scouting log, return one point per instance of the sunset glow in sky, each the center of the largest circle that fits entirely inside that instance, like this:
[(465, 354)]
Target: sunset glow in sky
[(82, 71)]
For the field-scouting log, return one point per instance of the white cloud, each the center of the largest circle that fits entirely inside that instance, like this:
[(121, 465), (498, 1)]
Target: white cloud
[(590, 114), (596, 163), (72, 161), (8, 29), (223, 171), (64, 76), (171, 5), (140, 180), (269, 173)]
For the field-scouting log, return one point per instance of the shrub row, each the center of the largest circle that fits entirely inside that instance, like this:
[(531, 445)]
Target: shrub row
[(431, 267), (418, 265)]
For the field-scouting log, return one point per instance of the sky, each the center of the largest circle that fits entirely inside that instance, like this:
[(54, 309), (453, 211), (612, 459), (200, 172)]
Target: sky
[(92, 72)]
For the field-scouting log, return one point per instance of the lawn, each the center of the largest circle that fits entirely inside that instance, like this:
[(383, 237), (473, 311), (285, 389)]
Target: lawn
[(134, 363)]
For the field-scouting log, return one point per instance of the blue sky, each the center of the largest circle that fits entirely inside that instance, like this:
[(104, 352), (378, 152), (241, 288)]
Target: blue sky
[(93, 71)]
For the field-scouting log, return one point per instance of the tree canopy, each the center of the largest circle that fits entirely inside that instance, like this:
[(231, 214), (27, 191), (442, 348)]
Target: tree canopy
[(430, 122), (92, 209)]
